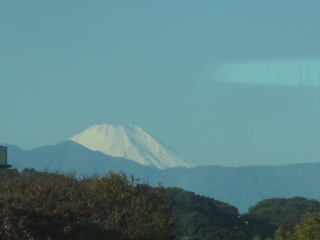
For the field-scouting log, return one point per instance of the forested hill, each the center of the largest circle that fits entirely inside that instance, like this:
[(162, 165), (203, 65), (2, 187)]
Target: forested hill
[(239, 186), (41, 205), (245, 186)]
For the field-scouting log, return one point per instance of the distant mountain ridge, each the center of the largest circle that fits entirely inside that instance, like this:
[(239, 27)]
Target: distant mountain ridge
[(131, 142), (70, 156), (239, 186)]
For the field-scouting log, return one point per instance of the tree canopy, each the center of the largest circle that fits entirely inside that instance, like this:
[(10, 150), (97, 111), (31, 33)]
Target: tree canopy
[(53, 206), (199, 217), (278, 216), (56, 206), (307, 229), (284, 211)]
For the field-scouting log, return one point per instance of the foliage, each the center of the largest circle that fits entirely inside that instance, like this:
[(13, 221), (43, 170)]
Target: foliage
[(258, 228), (56, 206), (307, 229), (37, 205), (198, 217), (281, 211), (267, 215)]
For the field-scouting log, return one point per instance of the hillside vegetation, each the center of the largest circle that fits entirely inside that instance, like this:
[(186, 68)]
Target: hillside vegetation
[(55, 206), (279, 215), (41, 205), (200, 218), (239, 186)]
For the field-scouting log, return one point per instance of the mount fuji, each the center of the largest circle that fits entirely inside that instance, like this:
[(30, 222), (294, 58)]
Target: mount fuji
[(133, 143)]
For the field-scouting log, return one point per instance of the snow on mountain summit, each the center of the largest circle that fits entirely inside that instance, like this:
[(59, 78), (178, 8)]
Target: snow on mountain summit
[(133, 143)]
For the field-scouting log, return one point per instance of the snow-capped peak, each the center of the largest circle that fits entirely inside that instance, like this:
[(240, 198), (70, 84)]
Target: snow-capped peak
[(133, 143)]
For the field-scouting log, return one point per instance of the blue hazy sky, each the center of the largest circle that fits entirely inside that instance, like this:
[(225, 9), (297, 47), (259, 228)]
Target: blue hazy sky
[(67, 65)]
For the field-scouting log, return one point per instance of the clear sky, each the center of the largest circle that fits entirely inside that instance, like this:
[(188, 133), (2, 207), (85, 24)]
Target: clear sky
[(67, 65)]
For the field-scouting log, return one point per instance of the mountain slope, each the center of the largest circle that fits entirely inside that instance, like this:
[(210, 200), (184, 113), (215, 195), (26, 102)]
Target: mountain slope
[(245, 186), (239, 186), (70, 156), (132, 143)]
